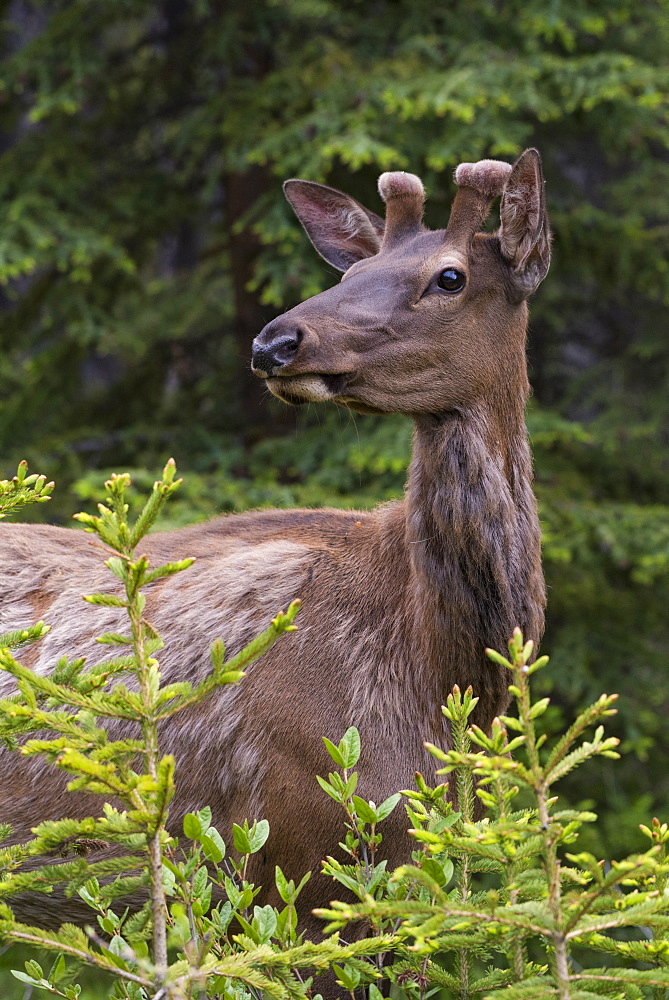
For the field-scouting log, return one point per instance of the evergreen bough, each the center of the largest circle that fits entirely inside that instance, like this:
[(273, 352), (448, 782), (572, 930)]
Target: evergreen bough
[(501, 906), (495, 904), (65, 709)]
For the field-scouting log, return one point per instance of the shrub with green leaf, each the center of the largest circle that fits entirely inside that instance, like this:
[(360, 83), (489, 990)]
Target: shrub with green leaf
[(145, 242), (496, 901), (502, 905), (180, 941)]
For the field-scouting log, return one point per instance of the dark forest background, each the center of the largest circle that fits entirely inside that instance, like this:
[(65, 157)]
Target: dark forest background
[(144, 241)]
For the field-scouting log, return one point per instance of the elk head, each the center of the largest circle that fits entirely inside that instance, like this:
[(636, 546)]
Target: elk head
[(422, 322)]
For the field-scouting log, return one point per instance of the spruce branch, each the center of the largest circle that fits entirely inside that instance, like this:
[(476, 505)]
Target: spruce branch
[(22, 489), (66, 705)]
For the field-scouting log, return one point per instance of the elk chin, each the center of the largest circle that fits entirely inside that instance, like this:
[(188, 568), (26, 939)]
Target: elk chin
[(298, 389)]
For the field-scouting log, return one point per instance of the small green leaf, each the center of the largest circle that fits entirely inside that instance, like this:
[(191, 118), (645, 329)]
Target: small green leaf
[(25, 978), (347, 976), (204, 815), (334, 752), (349, 747), (258, 835), (174, 869), (388, 805), (436, 871), (303, 881), (34, 969), (213, 846), (264, 922), (241, 839), (192, 826), (284, 887), (350, 785), (365, 810), (58, 969), (200, 881), (327, 787)]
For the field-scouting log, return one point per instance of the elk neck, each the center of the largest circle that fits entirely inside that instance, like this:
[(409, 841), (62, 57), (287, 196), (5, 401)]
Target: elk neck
[(474, 542)]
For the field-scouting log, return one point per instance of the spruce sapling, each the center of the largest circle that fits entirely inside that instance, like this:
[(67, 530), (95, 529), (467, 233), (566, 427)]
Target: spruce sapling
[(522, 905)]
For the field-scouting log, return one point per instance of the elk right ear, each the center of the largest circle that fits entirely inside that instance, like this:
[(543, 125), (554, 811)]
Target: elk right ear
[(342, 230), (524, 235)]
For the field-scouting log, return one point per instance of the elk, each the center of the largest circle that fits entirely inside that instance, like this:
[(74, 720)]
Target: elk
[(398, 603)]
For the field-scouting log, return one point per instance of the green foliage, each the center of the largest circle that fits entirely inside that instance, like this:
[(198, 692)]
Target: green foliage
[(525, 915), (496, 900), (145, 242), (58, 717), (365, 875), (15, 493)]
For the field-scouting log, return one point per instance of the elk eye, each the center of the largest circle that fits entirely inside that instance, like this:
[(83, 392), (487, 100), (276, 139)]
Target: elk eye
[(451, 280)]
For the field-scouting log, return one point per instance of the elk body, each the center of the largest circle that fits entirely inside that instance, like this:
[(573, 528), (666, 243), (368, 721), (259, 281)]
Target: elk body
[(398, 603)]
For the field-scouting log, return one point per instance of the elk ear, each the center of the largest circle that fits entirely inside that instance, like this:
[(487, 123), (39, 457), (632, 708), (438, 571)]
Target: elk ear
[(524, 234), (342, 230)]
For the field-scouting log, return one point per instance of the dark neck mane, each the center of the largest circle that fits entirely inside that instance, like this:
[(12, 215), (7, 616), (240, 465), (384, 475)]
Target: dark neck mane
[(473, 537)]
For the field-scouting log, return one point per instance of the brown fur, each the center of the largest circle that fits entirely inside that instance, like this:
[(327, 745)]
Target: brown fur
[(398, 604)]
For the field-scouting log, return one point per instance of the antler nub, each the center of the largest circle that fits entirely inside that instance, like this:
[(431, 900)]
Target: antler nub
[(404, 195), (478, 183), (488, 177), (399, 184)]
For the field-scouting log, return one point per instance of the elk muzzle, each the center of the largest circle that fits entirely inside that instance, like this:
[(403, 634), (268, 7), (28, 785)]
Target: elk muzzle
[(274, 348)]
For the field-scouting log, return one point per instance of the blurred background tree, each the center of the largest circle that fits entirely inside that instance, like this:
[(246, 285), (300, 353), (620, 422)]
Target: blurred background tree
[(144, 242)]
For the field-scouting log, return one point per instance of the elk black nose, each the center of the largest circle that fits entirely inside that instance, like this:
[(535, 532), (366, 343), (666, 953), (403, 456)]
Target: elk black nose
[(274, 350)]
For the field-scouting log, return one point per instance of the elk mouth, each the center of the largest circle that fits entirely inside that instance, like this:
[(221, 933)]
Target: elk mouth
[(312, 388)]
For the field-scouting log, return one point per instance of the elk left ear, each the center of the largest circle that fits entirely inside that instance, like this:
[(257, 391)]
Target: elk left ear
[(342, 230), (524, 233)]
